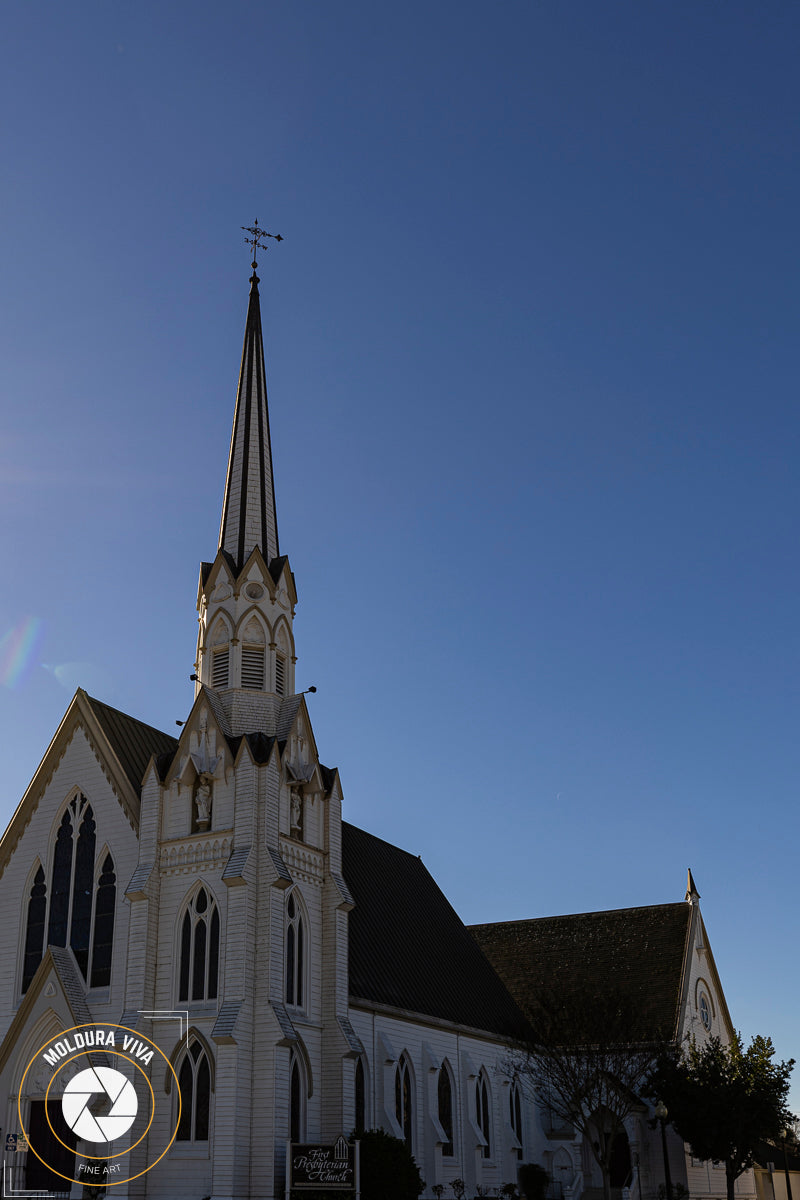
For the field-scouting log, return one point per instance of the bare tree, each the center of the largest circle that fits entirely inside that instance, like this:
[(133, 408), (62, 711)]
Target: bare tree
[(588, 1057)]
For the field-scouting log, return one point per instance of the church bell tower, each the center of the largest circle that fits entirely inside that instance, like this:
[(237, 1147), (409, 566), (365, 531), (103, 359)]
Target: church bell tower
[(246, 597)]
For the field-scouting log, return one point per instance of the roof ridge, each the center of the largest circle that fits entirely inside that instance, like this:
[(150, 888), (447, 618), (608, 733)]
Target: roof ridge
[(600, 912)]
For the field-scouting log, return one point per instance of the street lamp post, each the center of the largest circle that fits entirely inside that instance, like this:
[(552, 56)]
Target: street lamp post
[(785, 1135), (661, 1117)]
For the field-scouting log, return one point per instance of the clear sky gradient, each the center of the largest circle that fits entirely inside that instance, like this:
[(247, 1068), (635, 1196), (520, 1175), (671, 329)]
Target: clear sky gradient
[(532, 353)]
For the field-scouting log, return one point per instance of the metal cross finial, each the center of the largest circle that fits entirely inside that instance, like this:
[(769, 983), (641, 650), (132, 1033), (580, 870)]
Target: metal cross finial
[(257, 239)]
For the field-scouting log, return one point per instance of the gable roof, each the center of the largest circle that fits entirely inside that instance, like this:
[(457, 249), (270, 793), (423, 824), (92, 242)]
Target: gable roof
[(55, 960), (638, 952), (408, 947), (132, 741)]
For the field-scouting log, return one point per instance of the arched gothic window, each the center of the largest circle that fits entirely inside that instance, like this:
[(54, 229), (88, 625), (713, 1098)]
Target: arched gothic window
[(404, 1099), (103, 937), (297, 1099), (360, 1096), (483, 1114), (194, 1079), (445, 1096), (82, 901), (295, 951), (34, 933), (199, 959), (515, 1118)]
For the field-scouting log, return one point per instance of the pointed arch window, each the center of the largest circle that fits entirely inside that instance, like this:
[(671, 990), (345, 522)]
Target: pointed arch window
[(34, 932), (78, 899), (515, 1118), (360, 1096), (295, 952), (199, 953), (82, 890), (105, 902), (61, 883), (194, 1080), (297, 1099), (483, 1114), (404, 1099), (445, 1099)]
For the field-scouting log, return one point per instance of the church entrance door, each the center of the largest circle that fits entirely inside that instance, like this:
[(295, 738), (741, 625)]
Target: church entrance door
[(38, 1176)]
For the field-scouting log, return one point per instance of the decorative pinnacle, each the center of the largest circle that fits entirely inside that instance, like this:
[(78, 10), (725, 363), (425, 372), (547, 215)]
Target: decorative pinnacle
[(257, 239)]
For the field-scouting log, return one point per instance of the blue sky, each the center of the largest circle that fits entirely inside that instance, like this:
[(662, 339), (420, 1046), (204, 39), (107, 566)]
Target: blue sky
[(532, 358)]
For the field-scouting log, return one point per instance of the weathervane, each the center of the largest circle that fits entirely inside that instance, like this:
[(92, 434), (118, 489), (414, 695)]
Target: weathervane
[(257, 240)]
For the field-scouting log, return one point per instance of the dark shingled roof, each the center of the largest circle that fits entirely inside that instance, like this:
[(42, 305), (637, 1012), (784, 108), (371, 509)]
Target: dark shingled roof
[(634, 952), (408, 947), (132, 741)]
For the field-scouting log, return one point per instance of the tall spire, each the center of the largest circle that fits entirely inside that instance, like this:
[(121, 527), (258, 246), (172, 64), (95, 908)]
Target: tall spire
[(248, 509)]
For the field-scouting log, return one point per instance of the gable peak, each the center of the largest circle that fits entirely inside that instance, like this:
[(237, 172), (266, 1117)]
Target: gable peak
[(692, 894)]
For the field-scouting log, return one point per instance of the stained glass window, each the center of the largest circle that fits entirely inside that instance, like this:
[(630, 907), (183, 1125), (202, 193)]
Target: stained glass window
[(34, 933), (103, 938), (483, 1115), (403, 1099), (199, 961), (361, 1097), (295, 950), (194, 1079), (82, 889), (445, 1092)]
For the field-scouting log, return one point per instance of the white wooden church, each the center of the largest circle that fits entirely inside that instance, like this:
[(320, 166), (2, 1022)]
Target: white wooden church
[(325, 983)]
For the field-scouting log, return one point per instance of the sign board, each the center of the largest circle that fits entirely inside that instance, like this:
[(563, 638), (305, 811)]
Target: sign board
[(330, 1168)]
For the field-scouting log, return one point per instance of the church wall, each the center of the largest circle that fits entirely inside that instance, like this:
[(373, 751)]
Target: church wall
[(386, 1040)]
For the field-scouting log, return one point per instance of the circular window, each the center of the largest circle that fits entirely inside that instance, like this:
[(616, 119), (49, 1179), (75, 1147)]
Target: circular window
[(705, 1012), (254, 590)]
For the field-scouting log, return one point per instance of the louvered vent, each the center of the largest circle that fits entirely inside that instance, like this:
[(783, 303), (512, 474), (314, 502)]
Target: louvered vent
[(280, 675), (253, 667), (219, 668)]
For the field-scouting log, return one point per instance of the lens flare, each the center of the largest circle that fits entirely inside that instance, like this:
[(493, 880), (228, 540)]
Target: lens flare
[(18, 651)]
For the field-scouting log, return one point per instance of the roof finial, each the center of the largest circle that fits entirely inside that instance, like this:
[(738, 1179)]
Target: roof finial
[(256, 241), (692, 894)]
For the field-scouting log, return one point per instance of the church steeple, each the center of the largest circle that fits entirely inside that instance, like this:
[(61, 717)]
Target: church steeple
[(248, 508), (246, 597)]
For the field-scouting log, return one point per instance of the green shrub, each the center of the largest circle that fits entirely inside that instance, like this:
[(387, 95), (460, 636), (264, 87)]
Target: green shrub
[(533, 1181), (388, 1170)]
